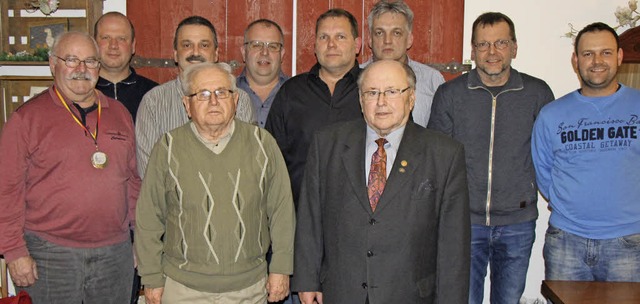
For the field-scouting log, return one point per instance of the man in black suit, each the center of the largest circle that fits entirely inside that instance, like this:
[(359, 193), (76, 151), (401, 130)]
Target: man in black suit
[(383, 214)]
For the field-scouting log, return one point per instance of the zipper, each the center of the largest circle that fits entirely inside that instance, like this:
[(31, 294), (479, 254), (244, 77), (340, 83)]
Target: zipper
[(494, 106), (490, 167)]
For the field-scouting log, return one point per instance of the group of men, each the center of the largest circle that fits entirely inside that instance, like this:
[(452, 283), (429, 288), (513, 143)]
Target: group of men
[(327, 184)]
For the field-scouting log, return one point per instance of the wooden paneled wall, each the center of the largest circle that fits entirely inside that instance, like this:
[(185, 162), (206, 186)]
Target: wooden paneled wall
[(437, 28)]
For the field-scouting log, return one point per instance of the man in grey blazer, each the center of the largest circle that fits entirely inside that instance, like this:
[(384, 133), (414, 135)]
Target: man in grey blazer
[(400, 236)]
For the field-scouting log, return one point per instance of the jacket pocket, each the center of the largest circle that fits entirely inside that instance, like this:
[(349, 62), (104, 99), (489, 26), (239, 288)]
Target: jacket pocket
[(426, 286)]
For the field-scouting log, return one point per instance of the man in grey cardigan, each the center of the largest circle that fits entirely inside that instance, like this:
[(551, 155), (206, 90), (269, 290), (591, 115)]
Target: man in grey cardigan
[(491, 110)]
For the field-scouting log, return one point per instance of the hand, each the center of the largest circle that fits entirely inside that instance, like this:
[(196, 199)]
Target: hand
[(153, 295), (24, 271), (310, 297), (277, 287)]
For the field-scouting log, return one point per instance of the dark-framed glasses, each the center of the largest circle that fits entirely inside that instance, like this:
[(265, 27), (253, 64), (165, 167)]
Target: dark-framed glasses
[(72, 62), (205, 95), (389, 94), (256, 45), (499, 45)]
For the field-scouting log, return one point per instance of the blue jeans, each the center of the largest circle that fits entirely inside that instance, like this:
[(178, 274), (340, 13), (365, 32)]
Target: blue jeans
[(80, 275), (571, 257), (506, 249)]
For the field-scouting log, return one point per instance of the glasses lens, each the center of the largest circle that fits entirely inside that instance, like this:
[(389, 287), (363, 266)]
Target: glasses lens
[(91, 63), (274, 46), (501, 44), (223, 94), (203, 95), (392, 93), (71, 62), (370, 95), (256, 45), (482, 46)]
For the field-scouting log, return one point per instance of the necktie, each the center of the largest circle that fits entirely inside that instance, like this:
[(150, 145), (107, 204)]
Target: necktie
[(377, 174)]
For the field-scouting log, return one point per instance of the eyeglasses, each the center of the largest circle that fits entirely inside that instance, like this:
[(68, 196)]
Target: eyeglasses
[(205, 95), (72, 62), (256, 45), (499, 45), (389, 94)]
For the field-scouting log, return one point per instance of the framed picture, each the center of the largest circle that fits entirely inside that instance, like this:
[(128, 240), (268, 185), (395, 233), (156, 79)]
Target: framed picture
[(43, 33)]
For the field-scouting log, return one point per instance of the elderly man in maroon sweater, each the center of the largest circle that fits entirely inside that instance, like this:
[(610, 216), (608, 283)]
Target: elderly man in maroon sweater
[(68, 185)]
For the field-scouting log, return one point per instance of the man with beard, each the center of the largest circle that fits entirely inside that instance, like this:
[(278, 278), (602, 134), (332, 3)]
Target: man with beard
[(262, 77), (586, 149), (69, 185), (491, 110), (117, 43), (161, 109)]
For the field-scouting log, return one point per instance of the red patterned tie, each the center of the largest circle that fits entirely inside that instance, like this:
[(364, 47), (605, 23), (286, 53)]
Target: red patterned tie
[(377, 174)]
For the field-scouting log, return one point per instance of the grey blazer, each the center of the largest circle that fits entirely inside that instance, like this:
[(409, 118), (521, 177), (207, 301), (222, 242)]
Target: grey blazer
[(413, 249)]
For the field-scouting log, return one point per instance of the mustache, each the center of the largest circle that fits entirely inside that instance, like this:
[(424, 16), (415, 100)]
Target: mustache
[(196, 58), (599, 66), (80, 76)]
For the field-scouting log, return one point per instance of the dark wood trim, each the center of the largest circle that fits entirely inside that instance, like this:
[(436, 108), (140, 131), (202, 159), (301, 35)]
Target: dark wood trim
[(630, 44)]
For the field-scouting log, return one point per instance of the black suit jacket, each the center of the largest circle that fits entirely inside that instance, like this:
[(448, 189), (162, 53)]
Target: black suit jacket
[(413, 249)]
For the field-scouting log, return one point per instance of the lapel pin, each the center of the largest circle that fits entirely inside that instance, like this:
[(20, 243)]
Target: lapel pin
[(401, 170), (403, 163)]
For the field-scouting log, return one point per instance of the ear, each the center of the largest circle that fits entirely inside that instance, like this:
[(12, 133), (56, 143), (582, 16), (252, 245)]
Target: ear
[(52, 64), (358, 45), (242, 51), (215, 55), (514, 50), (282, 51), (574, 62), (620, 56), (133, 46), (409, 40), (187, 105), (236, 97), (175, 55), (473, 53)]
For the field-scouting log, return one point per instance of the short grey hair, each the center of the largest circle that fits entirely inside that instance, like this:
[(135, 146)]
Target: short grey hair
[(411, 75), (186, 77), (64, 35), (396, 7)]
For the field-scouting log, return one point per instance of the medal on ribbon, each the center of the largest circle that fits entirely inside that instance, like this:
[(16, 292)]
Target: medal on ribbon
[(99, 159)]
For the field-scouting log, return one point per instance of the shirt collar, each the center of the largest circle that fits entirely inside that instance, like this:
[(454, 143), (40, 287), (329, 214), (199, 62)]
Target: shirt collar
[(243, 77), (394, 138), (354, 72), (131, 79)]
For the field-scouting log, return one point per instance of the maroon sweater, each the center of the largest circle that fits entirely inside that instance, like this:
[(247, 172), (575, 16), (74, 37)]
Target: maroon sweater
[(48, 185)]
